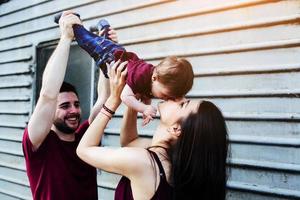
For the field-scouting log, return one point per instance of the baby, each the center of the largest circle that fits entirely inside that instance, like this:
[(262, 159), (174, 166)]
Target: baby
[(172, 78)]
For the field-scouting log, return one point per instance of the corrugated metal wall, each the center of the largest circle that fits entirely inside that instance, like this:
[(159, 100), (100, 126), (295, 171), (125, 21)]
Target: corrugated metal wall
[(246, 56)]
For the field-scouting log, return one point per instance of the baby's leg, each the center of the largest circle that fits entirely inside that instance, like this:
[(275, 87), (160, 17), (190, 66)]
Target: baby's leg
[(101, 49)]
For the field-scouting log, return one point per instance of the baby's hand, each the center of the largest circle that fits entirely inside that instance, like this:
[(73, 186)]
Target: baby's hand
[(148, 114)]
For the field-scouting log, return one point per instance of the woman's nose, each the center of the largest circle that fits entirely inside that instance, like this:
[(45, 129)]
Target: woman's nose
[(180, 99)]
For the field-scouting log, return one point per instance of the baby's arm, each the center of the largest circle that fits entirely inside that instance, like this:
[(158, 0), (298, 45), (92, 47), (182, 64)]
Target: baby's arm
[(130, 100)]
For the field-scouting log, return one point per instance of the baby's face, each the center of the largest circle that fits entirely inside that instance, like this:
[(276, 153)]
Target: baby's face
[(160, 91)]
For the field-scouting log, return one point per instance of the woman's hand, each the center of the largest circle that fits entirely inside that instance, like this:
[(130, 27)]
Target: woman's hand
[(117, 79)]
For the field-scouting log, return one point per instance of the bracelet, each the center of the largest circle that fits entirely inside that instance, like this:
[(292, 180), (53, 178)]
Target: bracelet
[(109, 117), (108, 110), (106, 113)]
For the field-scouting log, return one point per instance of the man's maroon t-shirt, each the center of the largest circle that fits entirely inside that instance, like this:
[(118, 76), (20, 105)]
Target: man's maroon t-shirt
[(139, 72), (55, 171)]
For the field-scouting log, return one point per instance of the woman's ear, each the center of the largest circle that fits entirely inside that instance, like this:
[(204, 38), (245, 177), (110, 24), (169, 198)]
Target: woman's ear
[(154, 75), (175, 130)]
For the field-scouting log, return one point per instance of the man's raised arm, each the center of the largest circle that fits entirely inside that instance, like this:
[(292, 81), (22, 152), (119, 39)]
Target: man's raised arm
[(42, 118)]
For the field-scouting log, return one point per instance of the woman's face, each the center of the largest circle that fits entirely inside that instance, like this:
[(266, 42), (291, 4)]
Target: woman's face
[(172, 112)]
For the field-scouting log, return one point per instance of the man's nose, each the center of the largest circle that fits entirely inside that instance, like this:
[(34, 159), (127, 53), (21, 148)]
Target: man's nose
[(74, 109)]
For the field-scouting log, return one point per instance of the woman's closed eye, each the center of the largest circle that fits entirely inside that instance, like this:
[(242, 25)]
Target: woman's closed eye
[(184, 103)]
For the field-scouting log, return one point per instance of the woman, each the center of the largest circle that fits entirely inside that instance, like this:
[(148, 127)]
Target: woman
[(185, 159)]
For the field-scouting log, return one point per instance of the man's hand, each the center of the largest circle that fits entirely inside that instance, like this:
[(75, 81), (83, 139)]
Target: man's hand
[(66, 22), (112, 34)]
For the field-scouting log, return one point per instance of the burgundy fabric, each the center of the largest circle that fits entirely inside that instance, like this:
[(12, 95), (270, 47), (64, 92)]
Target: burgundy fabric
[(163, 192), (55, 172), (139, 72)]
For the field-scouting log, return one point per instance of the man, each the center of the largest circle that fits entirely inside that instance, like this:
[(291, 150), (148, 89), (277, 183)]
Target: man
[(53, 133)]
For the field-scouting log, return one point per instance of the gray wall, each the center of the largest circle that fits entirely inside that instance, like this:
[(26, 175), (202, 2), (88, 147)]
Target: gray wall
[(245, 54)]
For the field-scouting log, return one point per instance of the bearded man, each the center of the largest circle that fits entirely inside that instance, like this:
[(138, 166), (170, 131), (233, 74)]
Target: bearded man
[(50, 140)]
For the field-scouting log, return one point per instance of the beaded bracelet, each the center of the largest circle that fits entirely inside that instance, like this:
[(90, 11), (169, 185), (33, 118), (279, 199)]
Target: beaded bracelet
[(108, 110)]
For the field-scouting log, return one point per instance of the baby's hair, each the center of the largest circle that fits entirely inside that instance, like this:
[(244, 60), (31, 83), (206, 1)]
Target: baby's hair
[(176, 74)]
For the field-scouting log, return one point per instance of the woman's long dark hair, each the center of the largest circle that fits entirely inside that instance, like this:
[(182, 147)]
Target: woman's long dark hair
[(199, 157)]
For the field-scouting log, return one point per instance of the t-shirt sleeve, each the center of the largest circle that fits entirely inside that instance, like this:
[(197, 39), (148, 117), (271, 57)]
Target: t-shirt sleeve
[(28, 149), (27, 145)]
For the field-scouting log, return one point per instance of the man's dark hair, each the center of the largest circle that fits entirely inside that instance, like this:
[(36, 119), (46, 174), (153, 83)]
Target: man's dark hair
[(67, 87)]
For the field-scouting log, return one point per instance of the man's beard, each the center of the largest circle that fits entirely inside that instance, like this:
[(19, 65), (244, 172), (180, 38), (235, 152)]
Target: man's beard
[(63, 127)]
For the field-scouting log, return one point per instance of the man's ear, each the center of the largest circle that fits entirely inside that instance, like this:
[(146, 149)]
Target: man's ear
[(175, 130)]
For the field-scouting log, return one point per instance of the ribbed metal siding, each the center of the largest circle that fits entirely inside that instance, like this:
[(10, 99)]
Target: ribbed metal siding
[(246, 57)]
